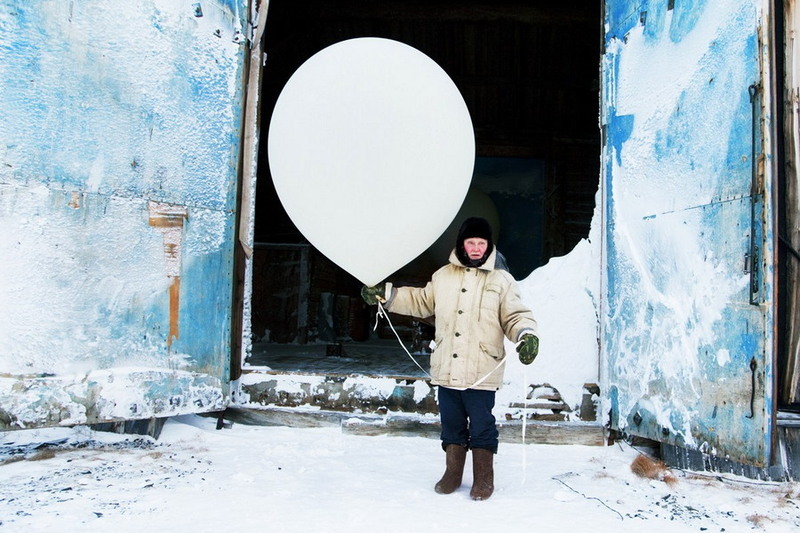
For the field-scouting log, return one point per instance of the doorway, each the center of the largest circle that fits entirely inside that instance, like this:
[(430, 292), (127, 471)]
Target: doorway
[(529, 76)]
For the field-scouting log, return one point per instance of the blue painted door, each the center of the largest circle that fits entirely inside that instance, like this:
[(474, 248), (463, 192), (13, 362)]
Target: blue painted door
[(119, 141), (686, 318)]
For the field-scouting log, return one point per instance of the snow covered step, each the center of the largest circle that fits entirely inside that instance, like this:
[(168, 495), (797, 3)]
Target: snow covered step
[(399, 424)]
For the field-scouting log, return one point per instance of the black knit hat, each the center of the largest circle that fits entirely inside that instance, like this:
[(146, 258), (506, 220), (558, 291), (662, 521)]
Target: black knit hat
[(474, 227)]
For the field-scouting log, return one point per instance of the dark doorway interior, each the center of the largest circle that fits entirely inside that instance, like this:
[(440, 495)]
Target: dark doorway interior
[(528, 72)]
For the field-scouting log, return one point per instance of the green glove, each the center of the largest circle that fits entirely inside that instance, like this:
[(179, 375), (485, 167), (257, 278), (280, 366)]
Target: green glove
[(372, 295), (528, 349)]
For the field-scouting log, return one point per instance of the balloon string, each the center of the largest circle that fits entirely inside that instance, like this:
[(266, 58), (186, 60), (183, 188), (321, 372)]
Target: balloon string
[(524, 425), (382, 313)]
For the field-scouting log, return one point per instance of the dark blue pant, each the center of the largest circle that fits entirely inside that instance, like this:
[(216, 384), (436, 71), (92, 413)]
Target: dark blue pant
[(467, 418)]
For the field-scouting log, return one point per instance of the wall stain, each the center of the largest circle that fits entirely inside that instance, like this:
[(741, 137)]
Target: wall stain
[(169, 219)]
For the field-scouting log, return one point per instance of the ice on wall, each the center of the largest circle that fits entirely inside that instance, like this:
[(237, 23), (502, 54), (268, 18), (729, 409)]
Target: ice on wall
[(140, 107), (675, 250), (75, 269), (123, 393), (109, 107)]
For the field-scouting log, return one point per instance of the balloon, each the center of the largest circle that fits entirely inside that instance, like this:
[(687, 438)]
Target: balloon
[(371, 149)]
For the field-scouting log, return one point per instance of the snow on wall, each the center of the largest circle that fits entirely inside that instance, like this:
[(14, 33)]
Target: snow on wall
[(119, 143), (106, 395), (679, 332)]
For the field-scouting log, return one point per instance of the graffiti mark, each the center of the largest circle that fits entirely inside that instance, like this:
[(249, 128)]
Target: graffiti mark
[(169, 219)]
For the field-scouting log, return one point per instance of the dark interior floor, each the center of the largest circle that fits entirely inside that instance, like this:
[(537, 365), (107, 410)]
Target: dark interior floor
[(379, 357)]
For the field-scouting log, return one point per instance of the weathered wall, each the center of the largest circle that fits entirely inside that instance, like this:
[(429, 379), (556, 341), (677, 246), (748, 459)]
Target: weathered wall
[(686, 328), (119, 142)]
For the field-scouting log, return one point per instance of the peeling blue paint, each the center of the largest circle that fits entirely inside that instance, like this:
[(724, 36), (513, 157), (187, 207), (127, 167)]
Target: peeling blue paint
[(621, 17), (55, 112), (105, 128), (652, 17), (619, 130), (684, 18), (687, 355)]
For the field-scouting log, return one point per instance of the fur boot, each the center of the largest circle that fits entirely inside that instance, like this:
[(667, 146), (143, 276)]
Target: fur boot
[(482, 473), (451, 480)]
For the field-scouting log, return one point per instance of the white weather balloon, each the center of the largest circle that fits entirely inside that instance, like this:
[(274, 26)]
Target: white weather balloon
[(371, 150)]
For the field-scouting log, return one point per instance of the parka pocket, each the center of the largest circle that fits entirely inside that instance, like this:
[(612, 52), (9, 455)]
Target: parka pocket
[(493, 351), (490, 301), (436, 359)]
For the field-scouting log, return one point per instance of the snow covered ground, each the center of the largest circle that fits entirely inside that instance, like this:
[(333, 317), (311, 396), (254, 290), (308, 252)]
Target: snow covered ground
[(248, 478)]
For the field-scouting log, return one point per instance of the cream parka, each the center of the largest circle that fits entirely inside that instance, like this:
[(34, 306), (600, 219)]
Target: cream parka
[(474, 309)]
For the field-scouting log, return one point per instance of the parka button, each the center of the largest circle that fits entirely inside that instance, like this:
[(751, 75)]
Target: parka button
[(463, 290), (455, 355), (460, 312), (458, 334)]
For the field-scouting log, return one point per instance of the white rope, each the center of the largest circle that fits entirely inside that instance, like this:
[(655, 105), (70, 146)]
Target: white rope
[(524, 424), (383, 313)]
